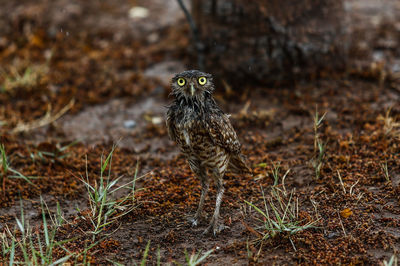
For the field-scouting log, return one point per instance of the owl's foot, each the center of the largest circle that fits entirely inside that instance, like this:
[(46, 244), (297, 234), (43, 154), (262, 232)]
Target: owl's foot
[(214, 228), (194, 221)]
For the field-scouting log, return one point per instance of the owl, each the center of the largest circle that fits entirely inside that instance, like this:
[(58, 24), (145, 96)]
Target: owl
[(205, 136)]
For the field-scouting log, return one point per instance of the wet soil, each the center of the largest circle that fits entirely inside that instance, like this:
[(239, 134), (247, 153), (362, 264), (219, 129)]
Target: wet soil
[(115, 69)]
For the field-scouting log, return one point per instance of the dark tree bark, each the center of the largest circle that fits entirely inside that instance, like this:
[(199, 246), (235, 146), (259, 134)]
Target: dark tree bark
[(271, 40)]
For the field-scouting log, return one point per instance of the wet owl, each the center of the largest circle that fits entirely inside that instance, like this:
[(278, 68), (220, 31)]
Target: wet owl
[(205, 136)]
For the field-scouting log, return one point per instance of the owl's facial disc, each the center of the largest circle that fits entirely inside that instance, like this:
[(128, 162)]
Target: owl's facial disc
[(192, 85)]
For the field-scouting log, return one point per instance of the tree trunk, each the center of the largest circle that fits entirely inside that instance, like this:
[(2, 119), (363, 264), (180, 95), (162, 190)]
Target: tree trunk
[(270, 41)]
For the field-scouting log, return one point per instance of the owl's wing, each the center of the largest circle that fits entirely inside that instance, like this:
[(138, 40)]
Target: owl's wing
[(222, 133), (171, 124)]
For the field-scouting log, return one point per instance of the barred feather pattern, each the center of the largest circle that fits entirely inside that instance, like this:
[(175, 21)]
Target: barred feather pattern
[(204, 134), (208, 140)]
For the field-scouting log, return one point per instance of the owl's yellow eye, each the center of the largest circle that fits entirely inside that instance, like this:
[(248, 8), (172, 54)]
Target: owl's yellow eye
[(202, 80), (181, 81)]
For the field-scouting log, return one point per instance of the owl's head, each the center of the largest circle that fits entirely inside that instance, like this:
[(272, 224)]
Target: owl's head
[(192, 84)]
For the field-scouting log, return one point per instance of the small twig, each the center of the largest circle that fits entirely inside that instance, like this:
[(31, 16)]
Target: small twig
[(351, 188), (44, 121), (259, 251), (294, 247), (245, 108), (251, 230), (283, 180), (341, 182), (340, 220)]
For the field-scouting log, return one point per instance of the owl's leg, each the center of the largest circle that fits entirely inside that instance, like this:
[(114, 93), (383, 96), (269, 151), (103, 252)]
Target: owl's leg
[(205, 185), (214, 226), (200, 172)]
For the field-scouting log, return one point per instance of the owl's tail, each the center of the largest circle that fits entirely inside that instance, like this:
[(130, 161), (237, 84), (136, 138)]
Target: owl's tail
[(238, 165)]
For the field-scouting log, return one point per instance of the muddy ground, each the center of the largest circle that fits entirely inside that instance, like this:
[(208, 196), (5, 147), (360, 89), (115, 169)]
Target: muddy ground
[(89, 71)]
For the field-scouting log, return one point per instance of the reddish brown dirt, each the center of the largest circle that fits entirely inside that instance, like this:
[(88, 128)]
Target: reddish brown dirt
[(115, 75)]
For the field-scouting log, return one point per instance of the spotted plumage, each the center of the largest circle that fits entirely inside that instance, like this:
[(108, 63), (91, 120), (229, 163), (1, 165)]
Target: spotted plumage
[(204, 135)]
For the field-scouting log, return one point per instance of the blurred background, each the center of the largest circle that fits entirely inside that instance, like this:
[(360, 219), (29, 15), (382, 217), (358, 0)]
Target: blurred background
[(312, 86), (72, 54)]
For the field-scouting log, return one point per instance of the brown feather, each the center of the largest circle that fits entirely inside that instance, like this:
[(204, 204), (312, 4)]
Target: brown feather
[(238, 165), (222, 133)]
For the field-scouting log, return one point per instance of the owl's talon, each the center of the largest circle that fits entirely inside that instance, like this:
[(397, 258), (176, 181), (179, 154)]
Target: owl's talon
[(193, 221), (216, 229)]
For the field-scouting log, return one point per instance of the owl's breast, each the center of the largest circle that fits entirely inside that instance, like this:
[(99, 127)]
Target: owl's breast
[(192, 135)]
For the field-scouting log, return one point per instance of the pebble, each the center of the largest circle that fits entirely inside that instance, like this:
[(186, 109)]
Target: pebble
[(129, 123), (138, 12)]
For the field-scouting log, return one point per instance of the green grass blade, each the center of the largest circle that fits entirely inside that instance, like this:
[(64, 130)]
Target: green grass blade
[(145, 254), (21, 226), (19, 175), (12, 252), (158, 257), (61, 260), (45, 229), (40, 252), (205, 255), (63, 148), (4, 159), (108, 159), (256, 208)]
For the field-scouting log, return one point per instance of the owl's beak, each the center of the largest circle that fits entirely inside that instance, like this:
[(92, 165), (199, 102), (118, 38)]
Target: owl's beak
[(192, 89)]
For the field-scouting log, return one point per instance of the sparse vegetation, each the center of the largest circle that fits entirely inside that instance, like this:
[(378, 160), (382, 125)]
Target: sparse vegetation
[(391, 127), (192, 260), (50, 156), (23, 79), (385, 170), (276, 175), (8, 172), (195, 259), (145, 254), (275, 171), (392, 262), (317, 124), (47, 119), (104, 209), (350, 191), (38, 248), (32, 246), (319, 146), (280, 211), (281, 215)]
